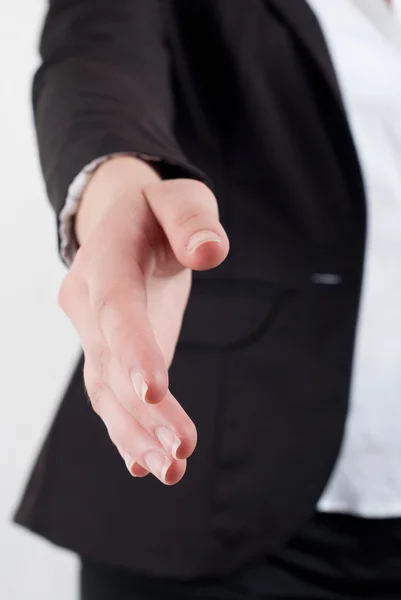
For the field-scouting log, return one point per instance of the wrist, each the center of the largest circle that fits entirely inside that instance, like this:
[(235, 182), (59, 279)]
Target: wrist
[(111, 181)]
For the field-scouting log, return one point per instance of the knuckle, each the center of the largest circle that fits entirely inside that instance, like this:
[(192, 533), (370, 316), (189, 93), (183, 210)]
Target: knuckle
[(82, 258), (190, 218), (202, 212), (135, 410), (96, 386), (112, 314), (202, 193), (67, 290), (97, 389), (102, 361), (202, 189), (202, 197), (193, 186), (101, 301)]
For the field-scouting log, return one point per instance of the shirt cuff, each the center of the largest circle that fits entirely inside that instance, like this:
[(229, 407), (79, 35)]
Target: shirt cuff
[(68, 241)]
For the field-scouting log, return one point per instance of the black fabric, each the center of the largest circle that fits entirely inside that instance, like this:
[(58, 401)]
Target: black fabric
[(87, 102), (334, 557), (241, 92)]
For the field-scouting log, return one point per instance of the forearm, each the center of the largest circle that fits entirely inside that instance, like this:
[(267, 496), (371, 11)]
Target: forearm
[(103, 88)]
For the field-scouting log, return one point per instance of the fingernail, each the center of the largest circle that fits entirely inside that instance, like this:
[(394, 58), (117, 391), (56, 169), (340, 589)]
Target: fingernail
[(201, 238), (158, 465), (168, 440), (140, 385)]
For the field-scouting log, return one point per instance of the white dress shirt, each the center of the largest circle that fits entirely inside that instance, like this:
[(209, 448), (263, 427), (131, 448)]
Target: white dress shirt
[(364, 39)]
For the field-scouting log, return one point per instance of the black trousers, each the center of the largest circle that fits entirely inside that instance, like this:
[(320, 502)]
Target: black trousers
[(335, 557)]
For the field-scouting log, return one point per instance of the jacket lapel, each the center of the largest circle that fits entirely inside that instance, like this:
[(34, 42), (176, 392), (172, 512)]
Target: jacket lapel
[(300, 18), (303, 23)]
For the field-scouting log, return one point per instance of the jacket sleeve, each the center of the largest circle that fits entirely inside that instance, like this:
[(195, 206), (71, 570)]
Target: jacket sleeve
[(104, 87)]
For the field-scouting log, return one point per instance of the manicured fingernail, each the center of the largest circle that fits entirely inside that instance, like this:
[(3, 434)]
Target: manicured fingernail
[(158, 465), (168, 440), (140, 385), (202, 237)]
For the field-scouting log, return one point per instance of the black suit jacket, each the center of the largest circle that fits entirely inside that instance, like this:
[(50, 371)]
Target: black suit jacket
[(242, 94)]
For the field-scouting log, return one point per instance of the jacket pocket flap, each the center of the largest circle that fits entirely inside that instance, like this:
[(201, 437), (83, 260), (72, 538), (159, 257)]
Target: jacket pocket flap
[(228, 313)]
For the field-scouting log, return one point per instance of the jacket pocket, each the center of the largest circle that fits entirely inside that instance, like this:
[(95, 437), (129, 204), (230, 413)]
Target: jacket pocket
[(228, 314)]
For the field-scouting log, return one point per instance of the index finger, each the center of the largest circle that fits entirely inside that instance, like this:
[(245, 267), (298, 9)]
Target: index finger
[(117, 292)]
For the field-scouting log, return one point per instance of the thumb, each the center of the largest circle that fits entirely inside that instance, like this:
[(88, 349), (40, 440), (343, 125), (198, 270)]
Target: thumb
[(188, 213)]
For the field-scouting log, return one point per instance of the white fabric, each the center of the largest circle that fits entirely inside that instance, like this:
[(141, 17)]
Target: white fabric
[(365, 43)]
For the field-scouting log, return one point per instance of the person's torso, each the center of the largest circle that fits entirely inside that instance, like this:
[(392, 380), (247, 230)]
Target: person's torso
[(264, 358)]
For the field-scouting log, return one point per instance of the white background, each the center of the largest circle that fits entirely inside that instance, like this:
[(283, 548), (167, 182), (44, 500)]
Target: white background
[(37, 345)]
